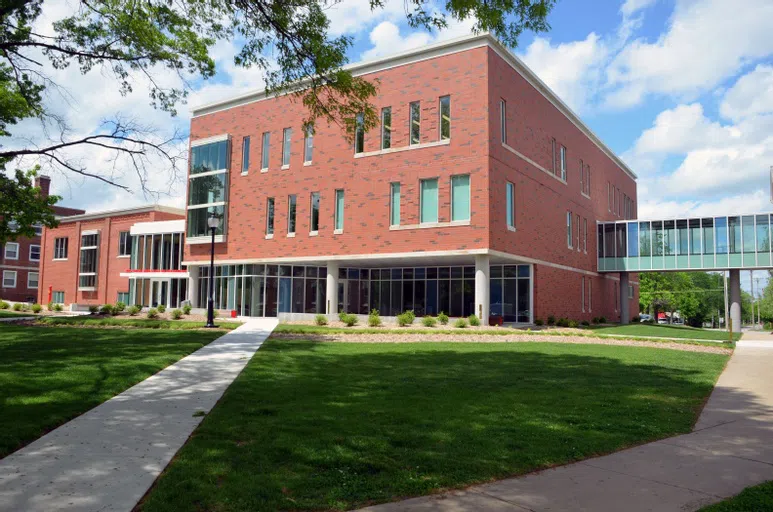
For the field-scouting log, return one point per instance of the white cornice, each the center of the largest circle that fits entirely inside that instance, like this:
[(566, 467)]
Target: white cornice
[(123, 211)]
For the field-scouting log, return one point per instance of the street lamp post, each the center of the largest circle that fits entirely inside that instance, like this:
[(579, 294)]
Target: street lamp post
[(213, 222)]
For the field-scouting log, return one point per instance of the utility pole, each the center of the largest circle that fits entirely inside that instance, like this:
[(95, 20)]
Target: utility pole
[(727, 306), (751, 281)]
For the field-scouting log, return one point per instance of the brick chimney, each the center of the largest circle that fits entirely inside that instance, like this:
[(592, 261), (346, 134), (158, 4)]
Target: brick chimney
[(44, 182)]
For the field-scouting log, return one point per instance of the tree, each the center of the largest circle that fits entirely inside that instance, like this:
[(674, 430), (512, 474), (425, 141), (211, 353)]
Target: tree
[(289, 40), (22, 206), (697, 296)]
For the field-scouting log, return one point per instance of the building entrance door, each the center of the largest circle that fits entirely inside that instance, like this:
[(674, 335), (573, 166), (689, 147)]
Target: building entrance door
[(159, 292)]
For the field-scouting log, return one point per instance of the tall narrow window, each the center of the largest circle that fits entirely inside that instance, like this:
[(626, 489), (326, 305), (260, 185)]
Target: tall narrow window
[(445, 117), (609, 197), (270, 216), (359, 133), (208, 186), (503, 120), (246, 153), (394, 204), (60, 248), (553, 155), (265, 150), (308, 143), (124, 243), (582, 293), (287, 134), (386, 127), (587, 180), (590, 295), (339, 212), (569, 229), (582, 177), (429, 201), (578, 233), (585, 235), (34, 253), (510, 205), (460, 197), (415, 123), (314, 212), (563, 163), (87, 277), (291, 214)]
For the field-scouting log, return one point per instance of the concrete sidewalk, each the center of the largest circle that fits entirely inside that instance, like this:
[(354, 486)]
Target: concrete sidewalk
[(730, 449), (107, 458)]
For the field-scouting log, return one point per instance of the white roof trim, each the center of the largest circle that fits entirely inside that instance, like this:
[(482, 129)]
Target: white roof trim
[(158, 228), (450, 46), (124, 211)]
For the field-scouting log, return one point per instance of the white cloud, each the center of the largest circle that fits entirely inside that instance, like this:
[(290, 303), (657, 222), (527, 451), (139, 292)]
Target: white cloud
[(354, 16), (387, 38), (757, 201), (630, 7), (751, 95)]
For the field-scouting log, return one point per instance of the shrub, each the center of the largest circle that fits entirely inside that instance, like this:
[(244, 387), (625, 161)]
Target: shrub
[(602, 319), (350, 320), (120, 307), (320, 320), (474, 320), (595, 320), (460, 323), (538, 322), (37, 308), (573, 324), (342, 316), (374, 320), (187, 309), (93, 310), (177, 314), (442, 318), (4, 305), (152, 313), (17, 306), (107, 309), (551, 320), (115, 310), (134, 310), (161, 308), (585, 323), (50, 306), (215, 313), (429, 321), (562, 322), (403, 319), (411, 316), (58, 307), (25, 306)]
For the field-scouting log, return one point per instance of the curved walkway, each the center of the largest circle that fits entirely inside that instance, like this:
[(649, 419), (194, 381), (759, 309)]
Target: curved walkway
[(731, 448), (107, 458)]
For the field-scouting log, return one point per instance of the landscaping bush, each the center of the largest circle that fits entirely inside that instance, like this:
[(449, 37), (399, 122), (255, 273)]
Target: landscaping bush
[(342, 316), (134, 310), (474, 320), (25, 306), (551, 320), (50, 306), (93, 310), (563, 322), (595, 320), (187, 309), (602, 319), (585, 323), (58, 307), (161, 308), (107, 309), (410, 315), (374, 320), (119, 307), (177, 314), (636, 319), (320, 320), (152, 313), (4, 305), (429, 321), (460, 323), (350, 320), (37, 308), (404, 319), (538, 322), (573, 324), (442, 318), (17, 306)]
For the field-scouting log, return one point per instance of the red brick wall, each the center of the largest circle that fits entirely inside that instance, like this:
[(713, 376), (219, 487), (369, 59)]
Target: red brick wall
[(22, 266)]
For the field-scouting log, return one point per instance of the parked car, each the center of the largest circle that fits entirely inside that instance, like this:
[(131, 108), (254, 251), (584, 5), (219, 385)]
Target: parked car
[(645, 318)]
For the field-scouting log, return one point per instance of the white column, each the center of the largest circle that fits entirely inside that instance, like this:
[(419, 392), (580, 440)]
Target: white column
[(625, 303), (735, 299), (482, 287), (193, 286), (331, 307)]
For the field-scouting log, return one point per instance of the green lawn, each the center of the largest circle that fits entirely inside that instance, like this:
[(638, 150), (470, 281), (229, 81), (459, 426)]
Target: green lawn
[(665, 331), (48, 376), (6, 313), (139, 322), (334, 426), (753, 499)]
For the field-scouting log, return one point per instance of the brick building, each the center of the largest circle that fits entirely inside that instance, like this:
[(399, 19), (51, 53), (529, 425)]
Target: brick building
[(20, 258), (479, 192), (87, 259)]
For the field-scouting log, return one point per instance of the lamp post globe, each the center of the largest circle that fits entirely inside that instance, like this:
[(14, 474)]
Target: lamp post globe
[(213, 222)]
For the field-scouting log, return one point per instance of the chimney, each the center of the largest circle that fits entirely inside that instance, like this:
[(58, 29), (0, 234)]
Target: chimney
[(44, 182)]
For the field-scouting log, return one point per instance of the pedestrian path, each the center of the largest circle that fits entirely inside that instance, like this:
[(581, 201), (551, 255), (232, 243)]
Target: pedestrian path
[(107, 458), (730, 449)]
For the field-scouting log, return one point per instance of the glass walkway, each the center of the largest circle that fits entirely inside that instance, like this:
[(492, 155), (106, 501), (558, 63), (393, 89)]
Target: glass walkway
[(708, 243)]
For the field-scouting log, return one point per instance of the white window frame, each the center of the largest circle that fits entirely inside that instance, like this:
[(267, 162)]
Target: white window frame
[(53, 296), (270, 221), (246, 140), (503, 120), (128, 244), (94, 248), (37, 280), (386, 128), (287, 135), (226, 189), (410, 123), (579, 227), (469, 197), (562, 154), (590, 295), (585, 235), (38, 229), (10, 273), (511, 206), (58, 248), (569, 232), (265, 151), (582, 293), (291, 198), (31, 247), (16, 250), (392, 202), (308, 144), (440, 117)]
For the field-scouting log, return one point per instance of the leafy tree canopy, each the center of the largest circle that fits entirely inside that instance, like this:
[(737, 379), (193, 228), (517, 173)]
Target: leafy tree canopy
[(289, 40)]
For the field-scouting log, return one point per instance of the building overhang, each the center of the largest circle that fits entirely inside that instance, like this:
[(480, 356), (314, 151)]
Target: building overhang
[(156, 274), (162, 227)]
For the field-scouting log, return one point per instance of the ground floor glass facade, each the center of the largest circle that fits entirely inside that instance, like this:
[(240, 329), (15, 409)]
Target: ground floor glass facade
[(152, 292)]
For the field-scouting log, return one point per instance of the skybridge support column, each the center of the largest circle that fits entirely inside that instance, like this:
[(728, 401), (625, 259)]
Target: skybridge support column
[(735, 299), (482, 287), (331, 308), (625, 303)]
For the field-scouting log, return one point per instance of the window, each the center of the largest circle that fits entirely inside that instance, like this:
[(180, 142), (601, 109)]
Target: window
[(578, 233), (270, 216), (246, 154), (207, 187), (386, 127), (123, 297), (428, 201), (553, 154), (503, 120), (582, 177), (291, 214), (12, 251), (57, 297), (569, 229), (124, 243), (38, 229), (32, 280), (582, 293), (445, 117), (34, 253), (9, 279), (630, 291), (265, 150), (314, 212), (590, 295), (585, 235), (415, 123), (287, 134), (563, 163), (510, 205), (460, 197), (87, 277), (394, 204), (587, 180), (359, 133), (609, 197), (60, 248), (308, 143), (339, 211)]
